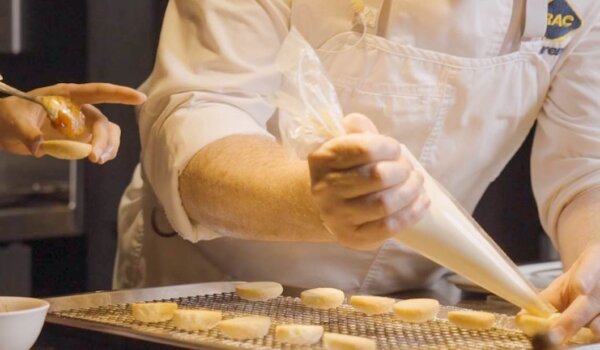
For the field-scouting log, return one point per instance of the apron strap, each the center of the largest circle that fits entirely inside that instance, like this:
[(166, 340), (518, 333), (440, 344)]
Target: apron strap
[(535, 19)]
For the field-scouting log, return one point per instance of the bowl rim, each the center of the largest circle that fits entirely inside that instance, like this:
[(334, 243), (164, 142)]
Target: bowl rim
[(43, 307)]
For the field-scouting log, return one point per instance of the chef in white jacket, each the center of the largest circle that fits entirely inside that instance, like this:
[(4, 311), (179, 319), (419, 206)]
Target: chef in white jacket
[(460, 83)]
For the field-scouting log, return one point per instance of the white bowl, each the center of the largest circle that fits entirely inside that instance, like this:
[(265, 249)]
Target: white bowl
[(21, 320)]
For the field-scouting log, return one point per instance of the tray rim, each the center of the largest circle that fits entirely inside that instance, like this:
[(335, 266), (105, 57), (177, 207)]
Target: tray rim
[(105, 298)]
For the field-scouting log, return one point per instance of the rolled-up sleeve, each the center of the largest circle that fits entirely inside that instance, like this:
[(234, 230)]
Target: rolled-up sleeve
[(566, 150), (212, 78)]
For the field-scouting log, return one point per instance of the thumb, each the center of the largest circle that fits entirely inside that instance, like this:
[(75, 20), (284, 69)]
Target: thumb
[(30, 135), (356, 123)]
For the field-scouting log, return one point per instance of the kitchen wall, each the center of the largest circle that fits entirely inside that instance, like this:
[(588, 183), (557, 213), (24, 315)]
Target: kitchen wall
[(55, 52), (509, 213), (81, 41), (121, 44)]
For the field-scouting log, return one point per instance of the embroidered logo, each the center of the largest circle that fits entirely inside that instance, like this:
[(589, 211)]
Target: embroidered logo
[(561, 20)]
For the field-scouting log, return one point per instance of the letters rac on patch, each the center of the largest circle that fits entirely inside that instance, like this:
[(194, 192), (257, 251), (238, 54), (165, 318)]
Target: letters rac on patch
[(561, 20)]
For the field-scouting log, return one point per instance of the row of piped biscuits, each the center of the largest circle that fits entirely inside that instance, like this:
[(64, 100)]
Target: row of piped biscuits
[(251, 327), (412, 310), (244, 328), (409, 310)]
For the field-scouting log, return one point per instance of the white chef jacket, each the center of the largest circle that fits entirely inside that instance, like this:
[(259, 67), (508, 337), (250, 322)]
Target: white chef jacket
[(461, 85)]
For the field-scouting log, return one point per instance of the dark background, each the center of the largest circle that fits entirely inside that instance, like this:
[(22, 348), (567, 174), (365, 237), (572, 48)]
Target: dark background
[(82, 41), (114, 41)]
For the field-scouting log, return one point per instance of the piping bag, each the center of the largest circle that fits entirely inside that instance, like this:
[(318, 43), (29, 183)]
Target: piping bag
[(310, 114)]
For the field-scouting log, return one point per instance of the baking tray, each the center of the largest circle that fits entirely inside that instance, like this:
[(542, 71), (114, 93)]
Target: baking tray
[(109, 312)]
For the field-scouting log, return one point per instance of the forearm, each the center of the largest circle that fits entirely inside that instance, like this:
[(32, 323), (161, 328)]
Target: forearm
[(579, 226), (248, 187)]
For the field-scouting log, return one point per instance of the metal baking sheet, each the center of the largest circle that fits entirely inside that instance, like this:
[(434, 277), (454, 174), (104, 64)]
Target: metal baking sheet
[(109, 312)]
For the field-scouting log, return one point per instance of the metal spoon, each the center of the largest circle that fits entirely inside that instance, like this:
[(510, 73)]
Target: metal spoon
[(62, 112)]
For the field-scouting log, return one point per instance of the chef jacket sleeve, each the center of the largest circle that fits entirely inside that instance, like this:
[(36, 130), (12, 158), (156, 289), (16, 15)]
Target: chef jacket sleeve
[(566, 150), (213, 73)]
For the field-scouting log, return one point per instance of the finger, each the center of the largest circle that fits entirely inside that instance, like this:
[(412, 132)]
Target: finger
[(17, 147), (545, 341), (396, 222), (93, 93), (357, 123), (350, 151), (584, 283), (595, 327), (363, 239), (28, 134), (554, 293), (581, 311), (114, 141), (409, 216), (366, 179), (384, 203), (100, 132)]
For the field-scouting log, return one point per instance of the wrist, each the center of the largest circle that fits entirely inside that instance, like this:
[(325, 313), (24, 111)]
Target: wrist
[(301, 189), (579, 225)]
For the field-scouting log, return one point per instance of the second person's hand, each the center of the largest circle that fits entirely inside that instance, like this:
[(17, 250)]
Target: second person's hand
[(365, 189), (24, 124)]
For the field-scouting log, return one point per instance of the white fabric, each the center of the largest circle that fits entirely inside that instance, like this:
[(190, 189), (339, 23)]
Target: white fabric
[(565, 159), (535, 26), (431, 74)]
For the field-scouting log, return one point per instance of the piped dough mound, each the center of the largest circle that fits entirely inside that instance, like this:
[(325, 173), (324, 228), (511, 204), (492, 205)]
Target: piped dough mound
[(259, 291), (247, 327), (298, 334), (416, 310), (372, 305), (335, 341), (322, 298), (153, 312), (472, 319), (196, 320)]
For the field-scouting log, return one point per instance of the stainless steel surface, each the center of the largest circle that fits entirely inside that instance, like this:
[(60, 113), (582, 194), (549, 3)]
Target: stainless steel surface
[(109, 312), (39, 198), (11, 26)]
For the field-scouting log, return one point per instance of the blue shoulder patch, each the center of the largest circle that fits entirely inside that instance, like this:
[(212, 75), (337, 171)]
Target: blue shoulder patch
[(562, 20)]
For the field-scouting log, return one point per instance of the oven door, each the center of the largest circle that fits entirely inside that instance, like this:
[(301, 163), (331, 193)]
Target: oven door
[(39, 198)]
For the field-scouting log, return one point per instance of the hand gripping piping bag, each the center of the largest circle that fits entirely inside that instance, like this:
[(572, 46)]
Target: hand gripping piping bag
[(310, 114)]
